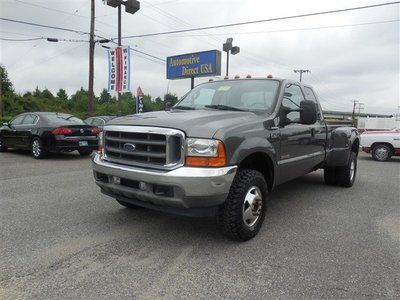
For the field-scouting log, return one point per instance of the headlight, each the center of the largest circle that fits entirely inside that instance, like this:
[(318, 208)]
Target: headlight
[(205, 153), (201, 147)]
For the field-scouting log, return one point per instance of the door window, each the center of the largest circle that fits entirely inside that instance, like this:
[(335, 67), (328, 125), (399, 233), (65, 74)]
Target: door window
[(18, 120), (291, 99), (29, 120)]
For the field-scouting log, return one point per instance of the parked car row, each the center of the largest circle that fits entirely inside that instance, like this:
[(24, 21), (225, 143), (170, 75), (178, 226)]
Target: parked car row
[(44, 132), (381, 144)]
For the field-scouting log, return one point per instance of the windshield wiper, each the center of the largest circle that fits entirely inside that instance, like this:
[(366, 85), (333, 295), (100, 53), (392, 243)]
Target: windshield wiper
[(184, 107), (224, 107)]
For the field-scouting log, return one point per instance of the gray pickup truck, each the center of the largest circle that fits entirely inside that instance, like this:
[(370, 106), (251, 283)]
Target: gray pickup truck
[(221, 149)]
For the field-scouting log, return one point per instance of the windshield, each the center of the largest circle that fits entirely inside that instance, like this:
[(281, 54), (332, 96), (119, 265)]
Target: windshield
[(248, 95), (64, 119)]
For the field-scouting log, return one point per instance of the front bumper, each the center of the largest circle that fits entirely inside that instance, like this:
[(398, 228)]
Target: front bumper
[(182, 188)]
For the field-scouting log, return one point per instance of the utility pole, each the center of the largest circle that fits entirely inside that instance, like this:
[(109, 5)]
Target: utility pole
[(354, 110), (131, 7), (91, 60), (301, 71), (119, 45)]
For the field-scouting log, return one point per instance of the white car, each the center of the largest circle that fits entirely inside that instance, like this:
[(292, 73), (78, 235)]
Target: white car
[(381, 144)]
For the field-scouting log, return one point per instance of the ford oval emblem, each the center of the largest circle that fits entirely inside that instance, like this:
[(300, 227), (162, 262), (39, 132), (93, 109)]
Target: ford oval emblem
[(129, 147), (82, 131)]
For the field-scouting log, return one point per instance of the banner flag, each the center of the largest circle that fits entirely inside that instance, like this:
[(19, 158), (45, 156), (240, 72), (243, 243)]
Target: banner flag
[(139, 101), (119, 69)]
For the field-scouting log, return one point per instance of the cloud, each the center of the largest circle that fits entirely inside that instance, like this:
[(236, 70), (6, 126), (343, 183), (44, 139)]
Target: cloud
[(346, 63)]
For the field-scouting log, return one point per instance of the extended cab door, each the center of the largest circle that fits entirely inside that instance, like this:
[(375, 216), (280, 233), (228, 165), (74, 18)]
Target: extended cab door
[(297, 141)]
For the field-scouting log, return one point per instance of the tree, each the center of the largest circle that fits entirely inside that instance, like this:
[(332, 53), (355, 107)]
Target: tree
[(6, 84), (105, 97), (62, 94), (172, 98), (47, 94)]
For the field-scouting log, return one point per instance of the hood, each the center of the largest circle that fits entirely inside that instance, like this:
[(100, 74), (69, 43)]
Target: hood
[(195, 123)]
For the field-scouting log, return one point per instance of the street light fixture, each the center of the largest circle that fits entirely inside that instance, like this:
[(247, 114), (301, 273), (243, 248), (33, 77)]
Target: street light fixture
[(227, 47), (131, 7)]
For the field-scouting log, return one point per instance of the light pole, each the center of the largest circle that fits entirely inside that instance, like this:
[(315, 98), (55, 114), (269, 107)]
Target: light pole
[(227, 47), (131, 7)]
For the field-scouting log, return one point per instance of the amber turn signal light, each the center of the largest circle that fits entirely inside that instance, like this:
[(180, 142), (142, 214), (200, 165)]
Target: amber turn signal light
[(200, 161)]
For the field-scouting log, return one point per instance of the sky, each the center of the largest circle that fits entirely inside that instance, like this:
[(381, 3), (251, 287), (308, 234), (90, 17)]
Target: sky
[(351, 55)]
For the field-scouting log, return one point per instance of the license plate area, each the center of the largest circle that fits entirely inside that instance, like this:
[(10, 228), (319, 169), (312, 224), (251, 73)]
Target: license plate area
[(83, 143)]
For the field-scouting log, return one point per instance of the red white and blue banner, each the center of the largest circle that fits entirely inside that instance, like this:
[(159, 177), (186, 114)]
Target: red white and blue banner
[(119, 69)]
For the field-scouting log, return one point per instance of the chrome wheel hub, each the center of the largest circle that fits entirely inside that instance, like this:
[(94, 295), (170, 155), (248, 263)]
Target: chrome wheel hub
[(252, 206), (381, 153), (36, 148)]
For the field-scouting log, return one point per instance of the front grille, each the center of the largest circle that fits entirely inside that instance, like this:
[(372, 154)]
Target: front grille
[(143, 146)]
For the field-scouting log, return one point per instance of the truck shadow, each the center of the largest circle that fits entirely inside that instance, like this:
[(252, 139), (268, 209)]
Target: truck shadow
[(164, 227)]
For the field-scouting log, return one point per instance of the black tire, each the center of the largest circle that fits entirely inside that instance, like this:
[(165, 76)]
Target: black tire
[(381, 152), (128, 205), (2, 147), (37, 148), (85, 152), (346, 176), (231, 216), (330, 176)]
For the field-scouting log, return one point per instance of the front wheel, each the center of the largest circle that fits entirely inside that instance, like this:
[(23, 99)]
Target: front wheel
[(381, 152), (243, 212), (37, 148)]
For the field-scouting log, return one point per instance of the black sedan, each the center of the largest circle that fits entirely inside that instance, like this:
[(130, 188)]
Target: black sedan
[(98, 121), (43, 132)]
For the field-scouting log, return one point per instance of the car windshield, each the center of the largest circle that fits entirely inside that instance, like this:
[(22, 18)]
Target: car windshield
[(247, 95), (64, 119)]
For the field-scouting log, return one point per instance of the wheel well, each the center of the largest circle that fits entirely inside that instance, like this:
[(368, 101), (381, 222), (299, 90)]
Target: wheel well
[(356, 146), (260, 162), (383, 143)]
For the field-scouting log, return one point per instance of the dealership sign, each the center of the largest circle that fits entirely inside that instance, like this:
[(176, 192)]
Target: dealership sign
[(119, 69), (206, 63)]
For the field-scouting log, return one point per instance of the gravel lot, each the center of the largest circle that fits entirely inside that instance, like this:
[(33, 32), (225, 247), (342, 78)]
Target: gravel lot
[(61, 238)]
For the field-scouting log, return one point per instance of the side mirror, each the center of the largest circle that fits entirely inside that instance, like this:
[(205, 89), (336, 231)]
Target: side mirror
[(168, 105), (308, 112)]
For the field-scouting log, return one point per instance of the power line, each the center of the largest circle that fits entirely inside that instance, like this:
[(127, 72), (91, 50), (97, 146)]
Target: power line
[(44, 26), (74, 31), (22, 40), (293, 29), (264, 20)]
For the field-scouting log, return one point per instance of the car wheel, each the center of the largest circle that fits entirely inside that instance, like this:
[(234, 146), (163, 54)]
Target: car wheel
[(128, 205), (243, 212), (347, 174), (85, 152), (381, 152), (2, 147), (330, 176), (37, 149)]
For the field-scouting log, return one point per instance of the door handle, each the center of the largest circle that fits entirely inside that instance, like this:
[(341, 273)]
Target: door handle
[(312, 132)]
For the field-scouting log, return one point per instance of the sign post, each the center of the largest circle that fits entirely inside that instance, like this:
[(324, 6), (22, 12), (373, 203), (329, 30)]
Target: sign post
[(139, 101), (191, 65)]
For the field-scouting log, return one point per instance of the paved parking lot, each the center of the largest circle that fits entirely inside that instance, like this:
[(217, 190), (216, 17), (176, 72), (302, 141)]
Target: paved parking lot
[(61, 238)]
